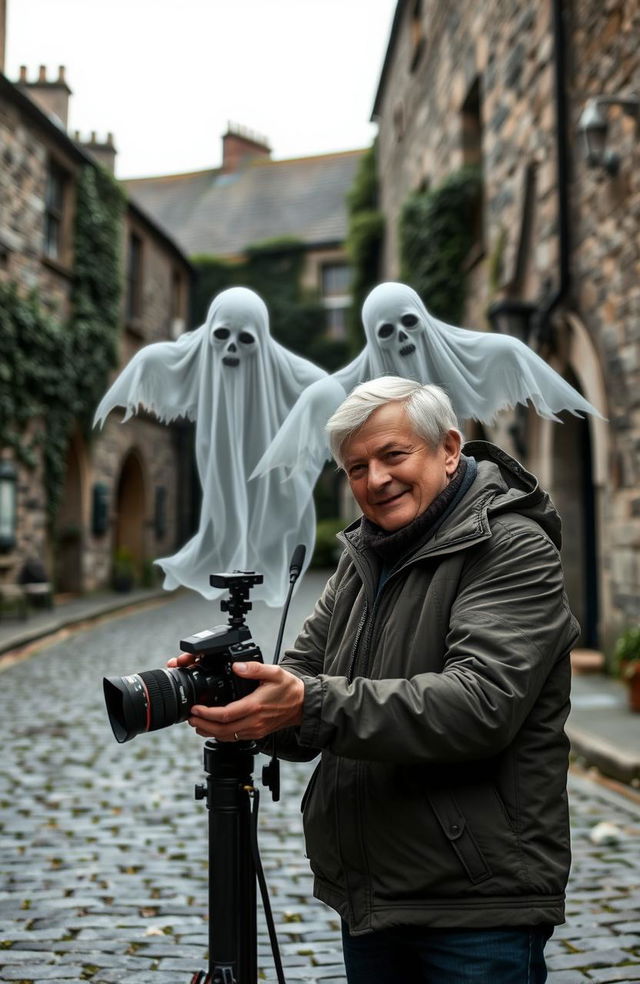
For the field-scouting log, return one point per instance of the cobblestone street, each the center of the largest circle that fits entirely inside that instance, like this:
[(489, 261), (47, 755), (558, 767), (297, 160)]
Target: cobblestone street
[(103, 849)]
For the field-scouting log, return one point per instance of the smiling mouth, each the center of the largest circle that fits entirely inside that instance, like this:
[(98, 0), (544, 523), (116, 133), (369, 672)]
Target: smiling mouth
[(229, 360), (407, 349), (390, 501)]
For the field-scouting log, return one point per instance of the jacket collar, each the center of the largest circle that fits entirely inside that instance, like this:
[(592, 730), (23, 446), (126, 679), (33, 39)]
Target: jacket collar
[(501, 485)]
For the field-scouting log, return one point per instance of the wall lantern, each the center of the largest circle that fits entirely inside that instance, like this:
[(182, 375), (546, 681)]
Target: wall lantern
[(593, 127), (509, 316), (8, 506)]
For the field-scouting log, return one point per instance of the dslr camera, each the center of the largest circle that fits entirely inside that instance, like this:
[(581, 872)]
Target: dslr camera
[(157, 698)]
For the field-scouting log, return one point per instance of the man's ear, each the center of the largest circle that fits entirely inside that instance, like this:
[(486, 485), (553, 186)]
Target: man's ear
[(452, 445)]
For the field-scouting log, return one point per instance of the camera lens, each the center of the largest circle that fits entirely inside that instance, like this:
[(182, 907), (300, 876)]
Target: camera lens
[(151, 700)]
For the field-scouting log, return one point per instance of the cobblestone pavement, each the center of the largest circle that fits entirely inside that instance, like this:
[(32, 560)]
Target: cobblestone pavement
[(103, 850)]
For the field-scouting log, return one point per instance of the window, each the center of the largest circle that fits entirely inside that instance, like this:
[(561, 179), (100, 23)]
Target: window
[(177, 324), (337, 322), (336, 280), (54, 212), (336, 296), (472, 154), (134, 278), (417, 34)]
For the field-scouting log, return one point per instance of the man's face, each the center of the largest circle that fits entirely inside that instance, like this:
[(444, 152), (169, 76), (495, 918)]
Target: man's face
[(393, 473)]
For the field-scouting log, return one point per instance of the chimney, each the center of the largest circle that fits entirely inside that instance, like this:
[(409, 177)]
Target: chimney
[(3, 32), (103, 151), (240, 146), (52, 97)]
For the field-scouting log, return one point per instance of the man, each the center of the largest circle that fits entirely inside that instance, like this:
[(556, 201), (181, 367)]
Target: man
[(433, 677)]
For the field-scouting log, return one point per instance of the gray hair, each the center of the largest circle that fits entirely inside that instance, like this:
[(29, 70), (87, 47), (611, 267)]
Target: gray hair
[(428, 408)]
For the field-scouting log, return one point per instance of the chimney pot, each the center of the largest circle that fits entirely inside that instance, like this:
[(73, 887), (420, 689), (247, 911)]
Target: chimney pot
[(42, 73), (61, 71), (23, 73)]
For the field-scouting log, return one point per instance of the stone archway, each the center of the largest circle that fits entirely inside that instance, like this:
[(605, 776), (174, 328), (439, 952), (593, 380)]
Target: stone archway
[(70, 522), (131, 513), (572, 463)]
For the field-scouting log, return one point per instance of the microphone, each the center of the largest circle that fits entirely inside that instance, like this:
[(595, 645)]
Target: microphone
[(296, 562)]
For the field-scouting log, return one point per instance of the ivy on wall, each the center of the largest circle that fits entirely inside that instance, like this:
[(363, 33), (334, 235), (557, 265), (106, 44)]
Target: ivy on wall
[(364, 240), (58, 371), (437, 230), (273, 270)]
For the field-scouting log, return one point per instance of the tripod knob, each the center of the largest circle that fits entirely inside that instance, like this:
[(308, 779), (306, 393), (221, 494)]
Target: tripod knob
[(200, 791), (271, 778)]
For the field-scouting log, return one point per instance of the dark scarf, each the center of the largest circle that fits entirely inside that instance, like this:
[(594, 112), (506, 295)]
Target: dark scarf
[(390, 547)]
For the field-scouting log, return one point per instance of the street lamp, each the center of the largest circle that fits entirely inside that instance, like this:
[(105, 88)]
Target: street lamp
[(8, 506), (594, 126), (510, 316)]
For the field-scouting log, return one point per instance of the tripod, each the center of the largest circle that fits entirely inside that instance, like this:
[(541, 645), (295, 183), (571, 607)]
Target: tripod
[(232, 870), (234, 857)]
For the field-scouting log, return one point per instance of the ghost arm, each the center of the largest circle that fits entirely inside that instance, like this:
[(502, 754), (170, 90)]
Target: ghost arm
[(485, 373), (301, 445), (162, 378)]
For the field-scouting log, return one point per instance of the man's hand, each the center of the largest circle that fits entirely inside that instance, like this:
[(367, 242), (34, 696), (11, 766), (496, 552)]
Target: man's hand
[(276, 703)]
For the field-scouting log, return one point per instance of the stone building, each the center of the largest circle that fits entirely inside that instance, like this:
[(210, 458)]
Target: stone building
[(251, 199), (123, 487), (557, 257)]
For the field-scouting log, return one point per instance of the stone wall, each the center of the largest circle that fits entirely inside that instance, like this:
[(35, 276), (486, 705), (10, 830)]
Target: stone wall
[(69, 547), (508, 49)]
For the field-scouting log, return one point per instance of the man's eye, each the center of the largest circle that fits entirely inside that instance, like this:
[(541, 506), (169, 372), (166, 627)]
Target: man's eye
[(221, 333), (355, 470), (408, 321)]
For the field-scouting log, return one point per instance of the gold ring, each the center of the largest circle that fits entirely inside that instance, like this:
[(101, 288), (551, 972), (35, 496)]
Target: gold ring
[(236, 736)]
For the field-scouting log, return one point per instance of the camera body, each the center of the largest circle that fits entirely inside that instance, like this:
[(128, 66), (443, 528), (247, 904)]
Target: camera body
[(216, 650), (157, 698)]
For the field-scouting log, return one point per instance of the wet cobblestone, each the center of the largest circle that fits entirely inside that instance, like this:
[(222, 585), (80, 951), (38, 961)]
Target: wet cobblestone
[(103, 850)]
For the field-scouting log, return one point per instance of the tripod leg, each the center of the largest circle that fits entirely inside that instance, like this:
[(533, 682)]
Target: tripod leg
[(232, 876)]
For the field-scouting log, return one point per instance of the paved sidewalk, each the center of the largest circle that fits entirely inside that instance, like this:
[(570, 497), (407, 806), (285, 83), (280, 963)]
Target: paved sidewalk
[(604, 733)]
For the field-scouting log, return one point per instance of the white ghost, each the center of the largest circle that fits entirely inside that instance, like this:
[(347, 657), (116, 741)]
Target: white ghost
[(482, 373), (239, 385)]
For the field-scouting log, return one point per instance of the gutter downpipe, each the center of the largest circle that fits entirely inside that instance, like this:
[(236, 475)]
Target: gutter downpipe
[(545, 329)]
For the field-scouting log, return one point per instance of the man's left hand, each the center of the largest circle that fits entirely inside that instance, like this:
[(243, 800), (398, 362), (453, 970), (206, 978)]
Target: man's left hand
[(275, 704)]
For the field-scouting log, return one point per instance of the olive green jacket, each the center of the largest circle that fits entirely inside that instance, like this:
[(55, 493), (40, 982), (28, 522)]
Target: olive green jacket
[(438, 705)]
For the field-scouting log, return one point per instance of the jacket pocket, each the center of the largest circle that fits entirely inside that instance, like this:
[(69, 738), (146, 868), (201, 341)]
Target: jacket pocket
[(456, 829)]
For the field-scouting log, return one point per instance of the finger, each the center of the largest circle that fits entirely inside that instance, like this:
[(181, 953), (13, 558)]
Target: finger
[(257, 671)]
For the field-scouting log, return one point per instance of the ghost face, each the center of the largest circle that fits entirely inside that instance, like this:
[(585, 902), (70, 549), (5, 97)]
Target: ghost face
[(397, 334), (395, 322), (234, 344)]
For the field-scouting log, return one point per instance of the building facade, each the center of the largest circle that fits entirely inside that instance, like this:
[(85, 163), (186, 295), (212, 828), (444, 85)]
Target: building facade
[(251, 200), (504, 86), (122, 487)]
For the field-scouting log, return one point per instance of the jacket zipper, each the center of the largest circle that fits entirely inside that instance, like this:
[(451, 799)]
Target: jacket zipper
[(354, 652)]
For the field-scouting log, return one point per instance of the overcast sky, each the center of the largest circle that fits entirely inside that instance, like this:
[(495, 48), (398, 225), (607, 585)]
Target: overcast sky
[(165, 76)]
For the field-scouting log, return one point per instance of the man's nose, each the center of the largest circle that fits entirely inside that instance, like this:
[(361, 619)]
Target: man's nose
[(377, 475)]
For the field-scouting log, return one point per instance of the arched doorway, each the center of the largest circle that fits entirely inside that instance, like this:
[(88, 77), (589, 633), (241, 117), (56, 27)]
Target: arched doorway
[(575, 498), (131, 514), (69, 525)]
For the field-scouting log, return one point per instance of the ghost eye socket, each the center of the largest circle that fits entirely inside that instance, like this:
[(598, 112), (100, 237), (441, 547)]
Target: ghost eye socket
[(385, 330), (246, 338), (408, 321), (221, 333)]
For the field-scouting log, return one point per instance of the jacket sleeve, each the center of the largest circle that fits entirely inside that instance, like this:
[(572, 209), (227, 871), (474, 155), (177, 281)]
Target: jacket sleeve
[(306, 660), (509, 624)]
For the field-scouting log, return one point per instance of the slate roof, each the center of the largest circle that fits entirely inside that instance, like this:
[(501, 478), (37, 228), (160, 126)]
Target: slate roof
[(221, 214)]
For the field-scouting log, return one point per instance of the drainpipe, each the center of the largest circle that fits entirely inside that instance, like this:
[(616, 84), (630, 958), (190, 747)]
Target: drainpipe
[(549, 305)]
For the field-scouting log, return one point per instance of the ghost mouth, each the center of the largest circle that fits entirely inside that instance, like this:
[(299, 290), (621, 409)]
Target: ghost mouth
[(407, 349), (230, 360)]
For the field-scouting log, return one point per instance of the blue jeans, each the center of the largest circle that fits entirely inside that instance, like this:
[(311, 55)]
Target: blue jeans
[(417, 955)]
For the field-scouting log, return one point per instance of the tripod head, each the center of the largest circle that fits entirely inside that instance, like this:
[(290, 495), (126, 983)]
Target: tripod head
[(239, 584)]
